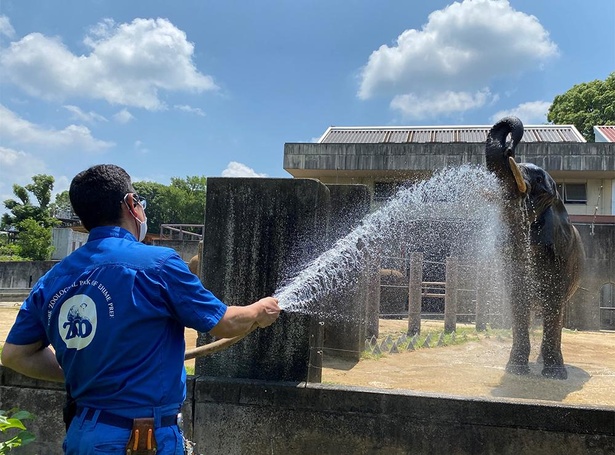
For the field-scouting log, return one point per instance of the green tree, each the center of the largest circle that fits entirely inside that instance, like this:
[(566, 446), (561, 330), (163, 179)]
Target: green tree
[(34, 240), (194, 190), (23, 208), (61, 204), (586, 105), (182, 202), (154, 195)]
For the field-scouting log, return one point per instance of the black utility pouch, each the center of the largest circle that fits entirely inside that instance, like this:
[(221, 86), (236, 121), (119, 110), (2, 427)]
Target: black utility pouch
[(142, 440)]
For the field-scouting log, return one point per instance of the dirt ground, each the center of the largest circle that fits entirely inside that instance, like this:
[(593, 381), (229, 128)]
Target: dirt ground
[(477, 368), (472, 368)]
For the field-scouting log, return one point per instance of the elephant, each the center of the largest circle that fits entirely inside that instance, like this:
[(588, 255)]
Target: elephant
[(546, 251)]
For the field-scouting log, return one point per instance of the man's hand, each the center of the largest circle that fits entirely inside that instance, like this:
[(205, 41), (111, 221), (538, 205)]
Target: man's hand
[(240, 320), (268, 312)]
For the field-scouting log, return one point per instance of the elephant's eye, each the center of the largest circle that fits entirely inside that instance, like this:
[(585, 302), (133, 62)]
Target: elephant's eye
[(539, 180)]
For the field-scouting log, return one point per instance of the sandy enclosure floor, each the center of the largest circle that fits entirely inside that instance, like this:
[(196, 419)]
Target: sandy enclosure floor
[(477, 368), (472, 368)]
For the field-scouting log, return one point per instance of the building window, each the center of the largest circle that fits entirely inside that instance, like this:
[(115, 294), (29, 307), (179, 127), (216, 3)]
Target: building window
[(573, 193)]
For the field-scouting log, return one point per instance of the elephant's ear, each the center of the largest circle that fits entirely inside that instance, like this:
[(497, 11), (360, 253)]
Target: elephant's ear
[(542, 231)]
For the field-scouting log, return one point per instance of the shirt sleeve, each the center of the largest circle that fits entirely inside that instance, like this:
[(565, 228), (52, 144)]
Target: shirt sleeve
[(28, 327), (189, 301)]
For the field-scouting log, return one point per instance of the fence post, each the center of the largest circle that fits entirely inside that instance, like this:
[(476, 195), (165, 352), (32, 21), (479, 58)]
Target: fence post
[(481, 298), (415, 283), (450, 298), (372, 306)]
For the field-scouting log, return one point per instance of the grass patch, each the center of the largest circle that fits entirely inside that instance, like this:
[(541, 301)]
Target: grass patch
[(428, 338)]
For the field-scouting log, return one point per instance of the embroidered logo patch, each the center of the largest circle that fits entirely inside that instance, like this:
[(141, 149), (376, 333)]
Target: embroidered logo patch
[(77, 321)]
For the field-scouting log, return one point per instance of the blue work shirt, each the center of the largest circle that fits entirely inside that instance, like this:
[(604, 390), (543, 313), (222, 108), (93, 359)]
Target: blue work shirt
[(115, 311)]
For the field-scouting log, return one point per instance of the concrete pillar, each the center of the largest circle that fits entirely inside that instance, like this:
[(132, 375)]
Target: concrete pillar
[(450, 298), (414, 293), (259, 232), (344, 331)]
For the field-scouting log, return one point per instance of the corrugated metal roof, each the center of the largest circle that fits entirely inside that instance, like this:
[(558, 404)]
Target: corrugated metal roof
[(605, 133), (422, 134)]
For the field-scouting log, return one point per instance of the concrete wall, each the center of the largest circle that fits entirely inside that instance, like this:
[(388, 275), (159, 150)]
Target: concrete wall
[(552, 157), (259, 232), (344, 331), (45, 400), (237, 417), (23, 274), (583, 312)]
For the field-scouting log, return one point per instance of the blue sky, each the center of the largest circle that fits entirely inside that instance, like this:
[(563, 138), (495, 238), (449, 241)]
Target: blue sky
[(215, 88)]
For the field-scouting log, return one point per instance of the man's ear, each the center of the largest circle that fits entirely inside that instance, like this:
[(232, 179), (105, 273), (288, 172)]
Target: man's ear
[(129, 203), (131, 209)]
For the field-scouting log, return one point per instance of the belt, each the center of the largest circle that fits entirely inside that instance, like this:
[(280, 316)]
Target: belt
[(115, 420)]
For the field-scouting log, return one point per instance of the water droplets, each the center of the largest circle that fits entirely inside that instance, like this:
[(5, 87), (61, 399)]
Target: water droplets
[(455, 212)]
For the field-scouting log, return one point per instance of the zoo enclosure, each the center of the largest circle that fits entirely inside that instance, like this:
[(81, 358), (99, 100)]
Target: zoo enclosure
[(409, 289)]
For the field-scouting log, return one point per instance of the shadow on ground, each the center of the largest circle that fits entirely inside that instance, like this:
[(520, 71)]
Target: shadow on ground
[(537, 387)]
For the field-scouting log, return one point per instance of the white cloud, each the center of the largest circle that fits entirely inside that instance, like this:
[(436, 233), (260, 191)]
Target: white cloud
[(418, 106), (534, 112), (89, 117), (128, 64), (123, 117), (191, 110), (235, 169), (17, 167), (6, 28), (20, 131), (461, 49)]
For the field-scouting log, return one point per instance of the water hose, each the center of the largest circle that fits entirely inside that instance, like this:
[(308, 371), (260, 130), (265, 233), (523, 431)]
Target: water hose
[(215, 346)]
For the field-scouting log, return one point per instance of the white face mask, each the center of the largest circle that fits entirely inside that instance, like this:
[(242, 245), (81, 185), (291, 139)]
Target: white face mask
[(142, 224), (142, 229)]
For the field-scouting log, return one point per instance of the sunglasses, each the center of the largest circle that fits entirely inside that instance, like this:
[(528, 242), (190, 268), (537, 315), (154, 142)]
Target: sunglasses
[(136, 199)]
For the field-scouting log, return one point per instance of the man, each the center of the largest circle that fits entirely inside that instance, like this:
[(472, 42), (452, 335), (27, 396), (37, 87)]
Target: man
[(114, 312)]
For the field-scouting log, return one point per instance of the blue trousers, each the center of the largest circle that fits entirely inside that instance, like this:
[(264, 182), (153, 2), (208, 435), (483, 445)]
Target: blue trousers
[(90, 437)]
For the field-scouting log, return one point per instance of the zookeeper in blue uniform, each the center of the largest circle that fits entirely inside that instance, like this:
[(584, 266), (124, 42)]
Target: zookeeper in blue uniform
[(114, 312)]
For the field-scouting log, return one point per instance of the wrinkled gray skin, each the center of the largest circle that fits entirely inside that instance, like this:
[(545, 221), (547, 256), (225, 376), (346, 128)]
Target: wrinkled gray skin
[(546, 274)]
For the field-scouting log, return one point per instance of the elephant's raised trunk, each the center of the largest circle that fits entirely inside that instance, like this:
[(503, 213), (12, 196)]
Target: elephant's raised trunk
[(500, 153)]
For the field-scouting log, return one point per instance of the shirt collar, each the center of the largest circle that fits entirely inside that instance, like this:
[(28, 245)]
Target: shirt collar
[(102, 232)]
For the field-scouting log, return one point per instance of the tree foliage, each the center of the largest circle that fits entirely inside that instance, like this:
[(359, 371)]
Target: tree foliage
[(586, 105), (34, 241), (61, 204), (182, 202), (23, 208)]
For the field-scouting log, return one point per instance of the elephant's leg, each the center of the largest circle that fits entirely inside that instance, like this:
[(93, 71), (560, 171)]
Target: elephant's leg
[(520, 353), (551, 348)]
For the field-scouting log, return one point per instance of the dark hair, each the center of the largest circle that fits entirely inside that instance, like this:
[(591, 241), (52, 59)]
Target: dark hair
[(96, 194)]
